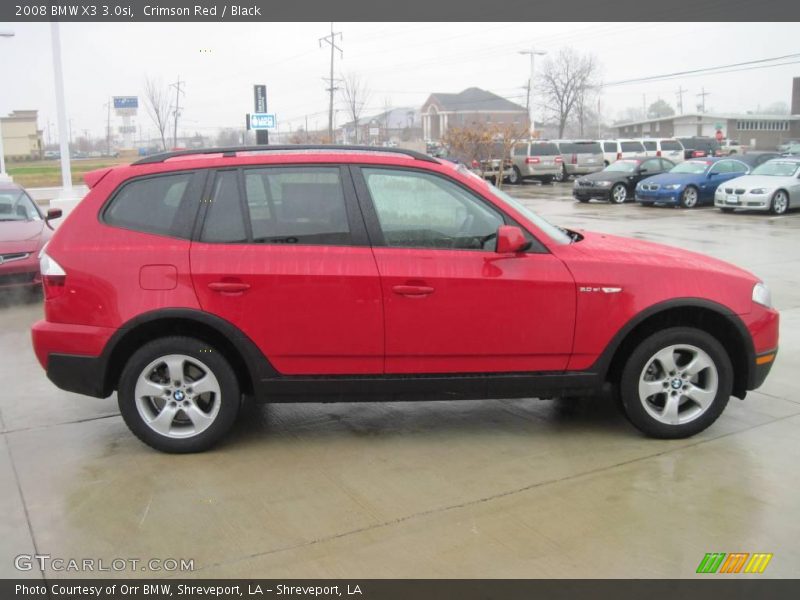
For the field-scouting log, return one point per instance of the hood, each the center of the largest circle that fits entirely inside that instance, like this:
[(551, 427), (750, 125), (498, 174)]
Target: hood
[(750, 182), (670, 178), (21, 231), (635, 251)]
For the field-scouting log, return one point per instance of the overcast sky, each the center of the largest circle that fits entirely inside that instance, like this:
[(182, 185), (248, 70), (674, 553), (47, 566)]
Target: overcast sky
[(402, 62)]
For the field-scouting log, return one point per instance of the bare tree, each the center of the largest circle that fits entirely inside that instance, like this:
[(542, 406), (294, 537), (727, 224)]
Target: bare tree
[(565, 82), (156, 101), (355, 94)]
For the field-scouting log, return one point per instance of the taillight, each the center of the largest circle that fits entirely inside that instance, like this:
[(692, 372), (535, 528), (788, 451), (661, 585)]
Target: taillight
[(574, 160), (475, 164), (54, 277), (658, 152), (558, 159), (532, 160), (619, 155), (697, 154)]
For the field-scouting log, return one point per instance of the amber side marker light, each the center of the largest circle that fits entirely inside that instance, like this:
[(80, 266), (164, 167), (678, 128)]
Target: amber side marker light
[(762, 360)]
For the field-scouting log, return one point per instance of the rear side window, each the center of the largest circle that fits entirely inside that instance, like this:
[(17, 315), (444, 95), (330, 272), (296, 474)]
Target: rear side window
[(631, 146), (282, 205), (567, 147), (609, 146), (670, 145), (521, 150), (587, 148), (544, 150), (153, 205)]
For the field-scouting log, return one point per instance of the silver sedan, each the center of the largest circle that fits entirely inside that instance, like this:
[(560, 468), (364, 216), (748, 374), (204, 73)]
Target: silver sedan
[(773, 186)]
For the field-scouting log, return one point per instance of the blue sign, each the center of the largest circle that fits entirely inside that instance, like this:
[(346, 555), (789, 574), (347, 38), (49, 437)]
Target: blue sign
[(126, 102), (262, 121)]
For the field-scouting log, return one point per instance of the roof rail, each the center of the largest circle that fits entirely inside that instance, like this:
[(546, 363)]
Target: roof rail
[(231, 151)]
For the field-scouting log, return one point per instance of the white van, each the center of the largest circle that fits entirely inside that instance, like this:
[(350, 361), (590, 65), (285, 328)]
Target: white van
[(614, 150), (668, 148)]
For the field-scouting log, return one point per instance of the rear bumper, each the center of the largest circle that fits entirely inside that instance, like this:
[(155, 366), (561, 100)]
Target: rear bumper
[(72, 355)]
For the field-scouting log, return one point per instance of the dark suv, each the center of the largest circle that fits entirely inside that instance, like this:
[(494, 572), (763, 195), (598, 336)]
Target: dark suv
[(699, 147), (292, 274)]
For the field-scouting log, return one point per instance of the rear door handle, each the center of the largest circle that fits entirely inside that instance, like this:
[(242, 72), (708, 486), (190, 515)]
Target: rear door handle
[(412, 290), (229, 287)]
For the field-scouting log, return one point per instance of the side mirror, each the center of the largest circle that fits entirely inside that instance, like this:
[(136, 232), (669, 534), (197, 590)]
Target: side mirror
[(641, 170), (53, 213), (510, 239)]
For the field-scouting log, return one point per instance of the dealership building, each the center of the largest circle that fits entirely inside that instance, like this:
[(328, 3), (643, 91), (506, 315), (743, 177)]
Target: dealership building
[(764, 132)]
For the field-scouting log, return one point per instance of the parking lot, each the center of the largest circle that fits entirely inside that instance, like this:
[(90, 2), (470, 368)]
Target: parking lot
[(516, 488)]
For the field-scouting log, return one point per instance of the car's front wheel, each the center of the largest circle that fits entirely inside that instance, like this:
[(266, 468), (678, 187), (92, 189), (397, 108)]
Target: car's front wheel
[(676, 383), (779, 204), (178, 394), (619, 194), (689, 197), (515, 177)]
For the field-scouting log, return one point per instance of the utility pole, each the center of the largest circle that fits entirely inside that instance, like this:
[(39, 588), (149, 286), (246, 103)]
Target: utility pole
[(108, 128), (178, 91), (331, 40), (702, 97), (680, 94), (306, 128), (533, 52), (644, 106)]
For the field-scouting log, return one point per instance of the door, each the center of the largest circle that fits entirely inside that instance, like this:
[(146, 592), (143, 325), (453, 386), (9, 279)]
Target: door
[(451, 303), (719, 173), (283, 255)]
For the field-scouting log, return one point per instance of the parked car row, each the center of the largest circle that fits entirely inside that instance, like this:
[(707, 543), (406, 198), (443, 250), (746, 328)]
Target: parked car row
[(757, 181)]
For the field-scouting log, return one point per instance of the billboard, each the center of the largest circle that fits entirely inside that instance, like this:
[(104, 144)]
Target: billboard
[(122, 102)]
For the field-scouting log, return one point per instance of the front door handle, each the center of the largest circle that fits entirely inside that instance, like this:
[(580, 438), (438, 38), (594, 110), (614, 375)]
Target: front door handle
[(412, 290), (229, 287)]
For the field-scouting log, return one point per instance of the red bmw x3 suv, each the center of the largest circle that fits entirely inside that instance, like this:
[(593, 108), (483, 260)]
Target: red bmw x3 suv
[(189, 279)]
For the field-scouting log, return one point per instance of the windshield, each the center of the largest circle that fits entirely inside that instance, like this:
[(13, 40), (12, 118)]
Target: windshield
[(622, 166), (777, 168), (557, 234), (15, 205), (695, 167)]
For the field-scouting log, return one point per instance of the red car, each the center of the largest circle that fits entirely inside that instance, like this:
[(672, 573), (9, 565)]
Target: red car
[(23, 232), (304, 274)]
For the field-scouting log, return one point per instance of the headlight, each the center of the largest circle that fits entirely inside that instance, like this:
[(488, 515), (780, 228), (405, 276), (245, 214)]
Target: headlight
[(672, 186), (604, 183), (758, 191), (762, 295)]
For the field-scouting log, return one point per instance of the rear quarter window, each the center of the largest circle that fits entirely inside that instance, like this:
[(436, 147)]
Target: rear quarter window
[(650, 146), (610, 146), (631, 147), (544, 150), (670, 145), (159, 204)]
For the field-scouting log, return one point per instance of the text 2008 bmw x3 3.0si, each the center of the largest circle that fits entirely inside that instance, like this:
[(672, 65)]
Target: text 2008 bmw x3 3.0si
[(188, 279)]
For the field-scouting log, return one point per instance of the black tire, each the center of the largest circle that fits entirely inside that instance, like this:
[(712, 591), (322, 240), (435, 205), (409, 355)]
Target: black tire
[(229, 397), (615, 193), (562, 175), (779, 203), (516, 177), (584, 200), (686, 196), (547, 179), (639, 359)]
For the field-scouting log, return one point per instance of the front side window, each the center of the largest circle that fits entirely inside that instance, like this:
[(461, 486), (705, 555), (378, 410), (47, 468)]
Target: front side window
[(418, 210), (150, 205), (651, 166)]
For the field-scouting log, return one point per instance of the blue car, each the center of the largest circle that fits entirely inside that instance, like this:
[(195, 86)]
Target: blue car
[(691, 183)]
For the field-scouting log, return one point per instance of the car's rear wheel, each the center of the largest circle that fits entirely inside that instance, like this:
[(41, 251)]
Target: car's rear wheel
[(619, 194), (177, 394), (676, 383), (779, 204), (515, 177), (689, 197)]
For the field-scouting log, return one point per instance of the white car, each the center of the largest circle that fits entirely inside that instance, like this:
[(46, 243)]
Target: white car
[(772, 186), (668, 148), (614, 150)]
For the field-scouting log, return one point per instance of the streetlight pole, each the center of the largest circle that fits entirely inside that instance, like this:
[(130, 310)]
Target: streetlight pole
[(533, 52), (66, 199), (3, 175)]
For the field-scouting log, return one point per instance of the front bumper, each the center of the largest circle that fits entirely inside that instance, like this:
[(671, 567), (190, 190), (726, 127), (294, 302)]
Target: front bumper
[(658, 197), (748, 201), (585, 193)]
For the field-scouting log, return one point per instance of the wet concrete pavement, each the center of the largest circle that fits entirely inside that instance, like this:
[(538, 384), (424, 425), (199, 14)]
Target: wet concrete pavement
[(523, 488)]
